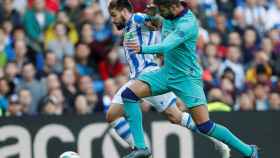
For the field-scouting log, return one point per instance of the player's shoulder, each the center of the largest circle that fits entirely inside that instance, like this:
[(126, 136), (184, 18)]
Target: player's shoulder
[(188, 20), (188, 17)]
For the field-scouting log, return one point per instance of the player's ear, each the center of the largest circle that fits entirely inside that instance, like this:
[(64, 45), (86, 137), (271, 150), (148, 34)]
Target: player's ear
[(124, 12)]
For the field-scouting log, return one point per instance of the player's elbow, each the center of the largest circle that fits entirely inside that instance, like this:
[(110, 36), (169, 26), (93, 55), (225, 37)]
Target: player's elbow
[(166, 48)]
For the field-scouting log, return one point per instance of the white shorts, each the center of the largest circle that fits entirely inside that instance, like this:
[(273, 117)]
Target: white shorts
[(159, 102)]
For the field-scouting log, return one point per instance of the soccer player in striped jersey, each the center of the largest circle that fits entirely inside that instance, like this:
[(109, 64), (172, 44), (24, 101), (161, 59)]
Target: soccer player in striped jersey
[(133, 25)]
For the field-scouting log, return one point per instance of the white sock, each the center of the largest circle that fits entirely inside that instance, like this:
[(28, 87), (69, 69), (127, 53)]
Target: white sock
[(188, 122), (122, 128)]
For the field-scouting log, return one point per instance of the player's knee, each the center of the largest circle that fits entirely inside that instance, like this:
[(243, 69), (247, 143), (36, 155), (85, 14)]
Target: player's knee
[(130, 95), (111, 116), (206, 127)]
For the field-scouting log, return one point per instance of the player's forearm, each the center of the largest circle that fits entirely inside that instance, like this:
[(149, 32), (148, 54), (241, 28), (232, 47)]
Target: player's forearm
[(152, 49), (168, 44)]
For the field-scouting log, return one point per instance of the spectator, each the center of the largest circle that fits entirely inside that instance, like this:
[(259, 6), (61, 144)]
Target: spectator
[(61, 45), (233, 61), (260, 71), (36, 21), (86, 88), (15, 107), (51, 5), (19, 34), (69, 63), (48, 106), (216, 101), (84, 64), (12, 75), (4, 94), (229, 74), (245, 103), (254, 14), (215, 39), (139, 5), (228, 90), (74, 9), (250, 45), (20, 6), (59, 100), (81, 105), (20, 53), (273, 15), (69, 86), (52, 65), (36, 88), (25, 99), (86, 34), (211, 60), (112, 67), (234, 39), (261, 99), (54, 103), (8, 13), (221, 28), (72, 33), (226, 7), (274, 101), (266, 46), (259, 74), (88, 16), (52, 82), (102, 34)]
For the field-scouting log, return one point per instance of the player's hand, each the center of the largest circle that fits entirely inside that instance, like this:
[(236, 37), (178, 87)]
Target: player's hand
[(133, 46), (152, 26)]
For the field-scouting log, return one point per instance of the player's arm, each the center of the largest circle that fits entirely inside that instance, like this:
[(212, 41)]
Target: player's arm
[(183, 32), (153, 23)]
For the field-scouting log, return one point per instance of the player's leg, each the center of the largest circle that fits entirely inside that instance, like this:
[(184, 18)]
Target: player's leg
[(167, 104), (184, 119), (115, 118), (205, 125), (148, 84), (131, 97), (196, 101)]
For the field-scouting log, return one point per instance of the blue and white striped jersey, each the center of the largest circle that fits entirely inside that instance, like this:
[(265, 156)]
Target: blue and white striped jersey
[(135, 30)]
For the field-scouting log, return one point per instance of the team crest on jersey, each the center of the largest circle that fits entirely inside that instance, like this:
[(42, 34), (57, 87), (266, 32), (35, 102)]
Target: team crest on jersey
[(128, 36)]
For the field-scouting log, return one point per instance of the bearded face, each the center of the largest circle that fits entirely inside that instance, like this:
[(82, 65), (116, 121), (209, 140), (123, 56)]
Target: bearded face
[(165, 12), (117, 19)]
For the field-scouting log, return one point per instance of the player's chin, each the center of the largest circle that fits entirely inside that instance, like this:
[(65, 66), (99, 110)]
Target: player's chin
[(119, 26)]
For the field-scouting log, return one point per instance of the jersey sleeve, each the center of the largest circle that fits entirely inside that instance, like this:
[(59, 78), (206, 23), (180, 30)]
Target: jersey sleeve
[(140, 18), (183, 31)]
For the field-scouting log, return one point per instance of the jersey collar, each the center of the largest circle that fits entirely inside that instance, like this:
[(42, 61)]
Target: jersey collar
[(128, 24), (183, 13)]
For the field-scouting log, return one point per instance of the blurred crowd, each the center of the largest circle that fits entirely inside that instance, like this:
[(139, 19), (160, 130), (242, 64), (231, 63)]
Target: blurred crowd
[(65, 57)]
